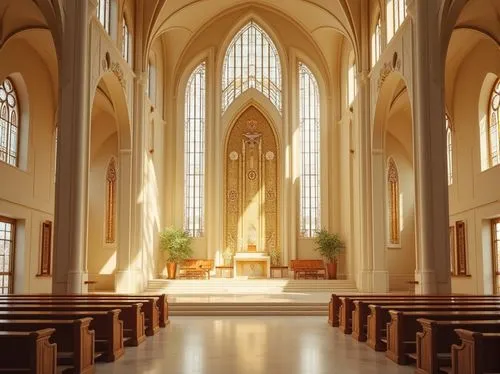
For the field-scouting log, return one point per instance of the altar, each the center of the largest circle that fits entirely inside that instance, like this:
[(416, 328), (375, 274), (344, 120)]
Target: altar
[(252, 265)]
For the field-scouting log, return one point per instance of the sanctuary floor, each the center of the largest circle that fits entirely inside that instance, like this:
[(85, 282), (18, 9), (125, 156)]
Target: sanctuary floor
[(251, 345)]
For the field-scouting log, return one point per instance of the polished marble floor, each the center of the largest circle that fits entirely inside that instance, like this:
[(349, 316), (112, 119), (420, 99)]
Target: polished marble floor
[(251, 345), (288, 297)]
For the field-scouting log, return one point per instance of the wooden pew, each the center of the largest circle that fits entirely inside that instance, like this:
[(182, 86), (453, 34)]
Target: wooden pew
[(361, 310), (27, 352), (478, 353), (380, 316), (346, 304), (161, 300), (435, 340), (107, 326), (403, 328), (335, 303), (130, 313), (74, 339)]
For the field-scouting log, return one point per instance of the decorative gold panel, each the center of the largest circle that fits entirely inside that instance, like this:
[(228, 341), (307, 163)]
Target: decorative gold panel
[(251, 185)]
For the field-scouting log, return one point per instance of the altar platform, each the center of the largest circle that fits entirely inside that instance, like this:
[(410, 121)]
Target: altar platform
[(230, 297)]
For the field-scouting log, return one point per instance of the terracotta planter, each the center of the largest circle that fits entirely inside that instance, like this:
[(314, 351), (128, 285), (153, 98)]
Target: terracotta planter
[(171, 270), (331, 268)]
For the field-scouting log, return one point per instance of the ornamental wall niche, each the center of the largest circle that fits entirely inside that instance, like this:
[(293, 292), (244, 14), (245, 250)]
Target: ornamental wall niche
[(251, 186)]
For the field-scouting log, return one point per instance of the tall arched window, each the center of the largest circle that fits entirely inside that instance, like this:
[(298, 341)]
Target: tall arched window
[(194, 152), (396, 14), (104, 14), (393, 192), (493, 124), (251, 61), (377, 41), (111, 201), (9, 123), (151, 86), (126, 50), (309, 123), (449, 149)]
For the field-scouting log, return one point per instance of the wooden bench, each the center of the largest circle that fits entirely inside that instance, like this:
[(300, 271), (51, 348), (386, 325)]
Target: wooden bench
[(380, 317), (148, 306), (107, 326), (196, 268), (341, 306), (161, 300), (477, 354), (130, 314), (361, 310), (74, 339), (308, 269), (435, 340), (28, 352), (403, 328)]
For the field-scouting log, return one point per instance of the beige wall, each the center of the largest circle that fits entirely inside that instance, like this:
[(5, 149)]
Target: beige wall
[(474, 196), (27, 193)]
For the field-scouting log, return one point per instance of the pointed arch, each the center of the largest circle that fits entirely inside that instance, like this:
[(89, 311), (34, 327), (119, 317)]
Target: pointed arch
[(393, 194), (251, 61), (310, 167), (111, 202), (493, 125), (194, 152), (9, 123)]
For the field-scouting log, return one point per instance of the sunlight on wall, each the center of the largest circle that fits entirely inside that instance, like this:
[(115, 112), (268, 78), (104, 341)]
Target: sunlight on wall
[(110, 265)]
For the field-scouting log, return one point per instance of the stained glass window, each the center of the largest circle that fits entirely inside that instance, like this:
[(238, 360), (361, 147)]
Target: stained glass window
[(251, 61), (377, 41), (104, 14), (493, 124), (194, 153), (9, 123), (393, 192), (449, 150), (309, 122), (7, 241), (111, 202)]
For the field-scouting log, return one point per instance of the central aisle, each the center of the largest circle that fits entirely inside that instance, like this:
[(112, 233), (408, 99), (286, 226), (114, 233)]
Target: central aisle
[(251, 345)]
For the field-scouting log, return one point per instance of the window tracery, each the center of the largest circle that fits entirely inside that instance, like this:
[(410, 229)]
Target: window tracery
[(9, 123), (309, 123), (493, 124), (194, 152), (251, 61)]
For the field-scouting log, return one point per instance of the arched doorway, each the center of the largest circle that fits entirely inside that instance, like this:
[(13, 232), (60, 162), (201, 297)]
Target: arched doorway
[(251, 188)]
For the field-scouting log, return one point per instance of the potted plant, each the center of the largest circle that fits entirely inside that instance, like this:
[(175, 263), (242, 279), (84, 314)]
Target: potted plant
[(329, 246), (176, 243)]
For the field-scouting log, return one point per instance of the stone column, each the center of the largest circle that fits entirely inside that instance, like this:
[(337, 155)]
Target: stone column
[(71, 205), (433, 269)]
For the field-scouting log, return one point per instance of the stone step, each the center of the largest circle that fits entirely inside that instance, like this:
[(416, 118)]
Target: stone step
[(250, 309)]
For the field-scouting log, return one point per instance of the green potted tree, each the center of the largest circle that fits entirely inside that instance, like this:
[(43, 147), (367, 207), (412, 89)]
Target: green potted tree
[(329, 247), (176, 243)]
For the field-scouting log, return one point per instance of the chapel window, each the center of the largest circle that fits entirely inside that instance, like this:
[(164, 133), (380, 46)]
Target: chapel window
[(9, 123), (194, 152), (111, 202), (251, 61), (393, 194), (309, 123)]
